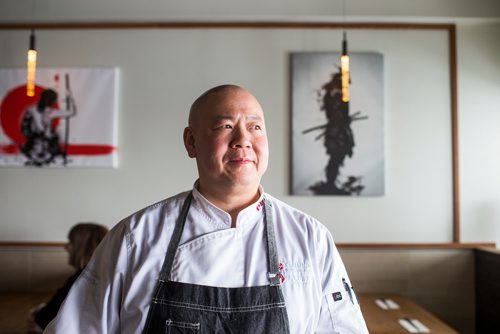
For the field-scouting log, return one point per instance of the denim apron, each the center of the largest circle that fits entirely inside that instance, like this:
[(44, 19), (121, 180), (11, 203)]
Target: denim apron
[(189, 308)]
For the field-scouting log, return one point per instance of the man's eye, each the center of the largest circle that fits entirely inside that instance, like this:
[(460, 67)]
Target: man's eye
[(257, 127), (227, 126)]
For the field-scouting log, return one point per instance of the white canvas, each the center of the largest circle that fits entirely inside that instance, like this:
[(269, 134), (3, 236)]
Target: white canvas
[(314, 134), (86, 139)]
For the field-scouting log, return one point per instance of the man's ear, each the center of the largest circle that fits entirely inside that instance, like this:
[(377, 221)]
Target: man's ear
[(189, 142)]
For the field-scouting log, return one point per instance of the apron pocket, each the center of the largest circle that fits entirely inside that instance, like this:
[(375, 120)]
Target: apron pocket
[(178, 327)]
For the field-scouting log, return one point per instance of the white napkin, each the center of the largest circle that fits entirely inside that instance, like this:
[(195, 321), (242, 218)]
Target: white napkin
[(408, 326), (413, 326), (420, 326), (381, 304), (392, 304), (386, 304)]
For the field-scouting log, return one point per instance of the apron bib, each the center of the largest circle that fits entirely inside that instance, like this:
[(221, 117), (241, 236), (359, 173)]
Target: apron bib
[(189, 308)]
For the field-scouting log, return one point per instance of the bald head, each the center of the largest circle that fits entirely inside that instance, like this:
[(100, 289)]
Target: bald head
[(227, 137), (207, 99)]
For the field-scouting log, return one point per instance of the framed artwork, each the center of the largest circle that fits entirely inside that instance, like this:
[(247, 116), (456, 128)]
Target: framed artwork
[(337, 147), (71, 121)]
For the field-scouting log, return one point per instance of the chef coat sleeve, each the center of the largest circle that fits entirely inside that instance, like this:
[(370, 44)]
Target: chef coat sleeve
[(340, 311), (94, 301)]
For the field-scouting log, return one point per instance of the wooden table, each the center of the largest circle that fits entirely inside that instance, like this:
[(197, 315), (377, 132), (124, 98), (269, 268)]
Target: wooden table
[(14, 309), (381, 321)]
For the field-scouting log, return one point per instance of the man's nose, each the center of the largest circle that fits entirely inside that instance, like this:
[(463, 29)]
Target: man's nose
[(241, 138)]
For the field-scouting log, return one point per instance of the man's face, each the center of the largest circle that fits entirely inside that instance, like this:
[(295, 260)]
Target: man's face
[(229, 141)]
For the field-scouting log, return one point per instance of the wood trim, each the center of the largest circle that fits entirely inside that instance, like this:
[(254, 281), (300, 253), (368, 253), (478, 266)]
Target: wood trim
[(450, 28), (32, 244), (220, 25), (454, 132), (376, 246), (416, 245)]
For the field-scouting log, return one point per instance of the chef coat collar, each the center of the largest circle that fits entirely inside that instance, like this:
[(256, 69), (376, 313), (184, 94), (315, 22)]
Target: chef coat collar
[(246, 218)]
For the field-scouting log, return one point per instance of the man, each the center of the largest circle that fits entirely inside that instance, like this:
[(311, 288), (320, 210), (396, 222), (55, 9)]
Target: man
[(38, 126), (223, 258)]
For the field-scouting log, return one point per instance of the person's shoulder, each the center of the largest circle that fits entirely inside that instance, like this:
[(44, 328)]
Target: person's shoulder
[(152, 215), (167, 203), (156, 210), (294, 215), (283, 206)]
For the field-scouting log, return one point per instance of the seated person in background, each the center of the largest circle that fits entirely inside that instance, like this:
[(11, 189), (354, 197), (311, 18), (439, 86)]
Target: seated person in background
[(83, 240)]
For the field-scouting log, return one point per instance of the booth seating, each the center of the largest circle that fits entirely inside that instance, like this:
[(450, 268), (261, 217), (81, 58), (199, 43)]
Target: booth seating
[(30, 275), (441, 281)]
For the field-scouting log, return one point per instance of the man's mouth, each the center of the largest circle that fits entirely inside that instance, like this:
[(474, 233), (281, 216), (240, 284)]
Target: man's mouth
[(242, 160)]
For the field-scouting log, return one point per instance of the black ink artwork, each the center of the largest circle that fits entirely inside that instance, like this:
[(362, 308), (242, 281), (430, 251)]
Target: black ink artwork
[(338, 139)]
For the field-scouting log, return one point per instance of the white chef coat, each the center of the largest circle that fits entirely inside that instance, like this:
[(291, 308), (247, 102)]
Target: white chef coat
[(114, 292)]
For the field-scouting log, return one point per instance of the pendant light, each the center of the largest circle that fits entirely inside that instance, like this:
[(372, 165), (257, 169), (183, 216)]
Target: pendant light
[(30, 82), (344, 68), (344, 64)]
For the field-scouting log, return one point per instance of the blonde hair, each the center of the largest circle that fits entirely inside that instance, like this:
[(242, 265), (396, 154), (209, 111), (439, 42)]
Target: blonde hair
[(84, 239)]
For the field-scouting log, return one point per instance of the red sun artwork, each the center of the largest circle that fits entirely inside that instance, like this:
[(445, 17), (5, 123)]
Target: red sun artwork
[(12, 109), (71, 121)]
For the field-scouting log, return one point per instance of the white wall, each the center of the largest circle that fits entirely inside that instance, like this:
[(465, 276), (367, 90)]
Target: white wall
[(479, 128), (162, 71)]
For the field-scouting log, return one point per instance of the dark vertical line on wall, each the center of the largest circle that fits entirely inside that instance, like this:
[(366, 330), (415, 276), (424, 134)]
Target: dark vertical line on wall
[(452, 37), (290, 126)]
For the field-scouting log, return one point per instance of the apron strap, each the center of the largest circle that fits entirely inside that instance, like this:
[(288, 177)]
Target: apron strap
[(273, 273), (174, 241), (169, 258)]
